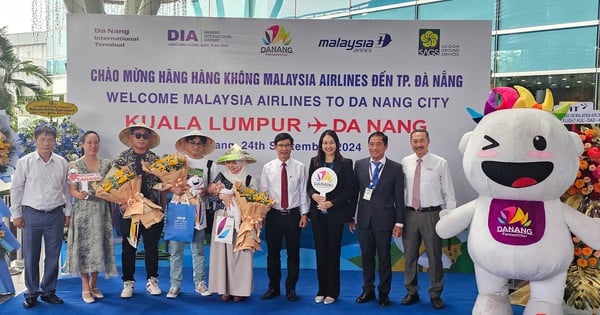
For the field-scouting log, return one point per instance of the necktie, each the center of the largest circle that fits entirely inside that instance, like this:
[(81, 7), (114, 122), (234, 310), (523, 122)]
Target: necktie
[(284, 187), (375, 178), (417, 186)]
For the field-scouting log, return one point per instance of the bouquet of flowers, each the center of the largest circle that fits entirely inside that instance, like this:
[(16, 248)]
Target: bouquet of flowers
[(254, 206), (583, 278), (6, 149), (122, 186), (171, 169)]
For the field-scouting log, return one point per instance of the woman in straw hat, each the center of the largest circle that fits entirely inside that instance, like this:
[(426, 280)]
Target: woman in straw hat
[(195, 146), (140, 139), (230, 273)]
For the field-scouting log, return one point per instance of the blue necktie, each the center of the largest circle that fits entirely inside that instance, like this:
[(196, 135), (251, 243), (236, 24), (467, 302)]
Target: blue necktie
[(375, 178)]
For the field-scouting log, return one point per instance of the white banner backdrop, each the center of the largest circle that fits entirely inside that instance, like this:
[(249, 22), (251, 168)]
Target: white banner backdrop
[(245, 80)]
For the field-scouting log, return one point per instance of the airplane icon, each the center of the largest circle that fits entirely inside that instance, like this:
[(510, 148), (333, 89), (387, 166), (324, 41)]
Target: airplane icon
[(318, 125)]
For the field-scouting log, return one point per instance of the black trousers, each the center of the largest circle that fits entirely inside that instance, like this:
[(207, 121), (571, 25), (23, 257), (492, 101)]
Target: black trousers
[(328, 249), (279, 227), (150, 237), (374, 242)]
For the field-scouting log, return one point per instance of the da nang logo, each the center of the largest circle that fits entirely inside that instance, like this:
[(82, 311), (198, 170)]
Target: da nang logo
[(429, 42), (324, 180), (277, 42), (515, 222)]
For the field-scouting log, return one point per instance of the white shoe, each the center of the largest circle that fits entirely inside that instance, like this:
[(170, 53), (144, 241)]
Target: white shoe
[(97, 294), (89, 298), (329, 300), (127, 291), (152, 286), (173, 293), (202, 289), (319, 299)]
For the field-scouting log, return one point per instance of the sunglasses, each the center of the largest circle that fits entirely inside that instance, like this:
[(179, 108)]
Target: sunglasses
[(142, 135)]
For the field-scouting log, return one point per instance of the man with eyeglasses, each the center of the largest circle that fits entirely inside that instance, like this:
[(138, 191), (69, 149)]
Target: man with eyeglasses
[(195, 146), (41, 207), (140, 139), (284, 180)]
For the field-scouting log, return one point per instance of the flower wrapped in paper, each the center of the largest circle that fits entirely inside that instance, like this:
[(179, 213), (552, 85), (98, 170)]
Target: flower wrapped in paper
[(253, 206), (171, 169), (122, 186)]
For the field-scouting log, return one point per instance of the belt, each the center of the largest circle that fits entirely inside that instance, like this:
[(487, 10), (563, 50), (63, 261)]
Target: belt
[(59, 208), (425, 209), (285, 211)]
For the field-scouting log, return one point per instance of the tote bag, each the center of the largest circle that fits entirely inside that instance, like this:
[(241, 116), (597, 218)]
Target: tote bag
[(180, 221), (224, 226)]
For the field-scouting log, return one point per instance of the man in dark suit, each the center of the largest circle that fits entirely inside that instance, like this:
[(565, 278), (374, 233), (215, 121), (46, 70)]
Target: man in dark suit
[(379, 215)]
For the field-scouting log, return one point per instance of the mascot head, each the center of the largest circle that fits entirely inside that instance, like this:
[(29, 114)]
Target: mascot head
[(519, 149)]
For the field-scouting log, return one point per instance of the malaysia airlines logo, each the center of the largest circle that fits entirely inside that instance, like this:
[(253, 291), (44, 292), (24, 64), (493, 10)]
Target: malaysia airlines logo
[(364, 45)]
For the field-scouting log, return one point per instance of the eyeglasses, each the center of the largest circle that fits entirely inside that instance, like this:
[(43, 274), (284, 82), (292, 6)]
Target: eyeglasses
[(284, 145), (197, 144), (142, 135)]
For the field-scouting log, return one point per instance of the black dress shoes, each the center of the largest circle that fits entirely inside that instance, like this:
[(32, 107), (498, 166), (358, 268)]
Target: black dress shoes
[(291, 295), (270, 294), (410, 299), (30, 302), (437, 303), (52, 299), (384, 300), (365, 297)]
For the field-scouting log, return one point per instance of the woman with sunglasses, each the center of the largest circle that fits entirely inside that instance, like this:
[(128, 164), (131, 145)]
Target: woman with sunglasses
[(140, 139)]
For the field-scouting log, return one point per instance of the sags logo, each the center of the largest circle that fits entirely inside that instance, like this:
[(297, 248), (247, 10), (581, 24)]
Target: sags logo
[(429, 42), (277, 41), (357, 45), (182, 35)]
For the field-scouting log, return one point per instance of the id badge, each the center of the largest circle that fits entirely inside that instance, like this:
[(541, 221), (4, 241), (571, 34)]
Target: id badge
[(368, 192)]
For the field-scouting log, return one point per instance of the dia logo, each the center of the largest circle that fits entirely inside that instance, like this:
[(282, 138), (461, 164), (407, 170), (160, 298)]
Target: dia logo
[(182, 35)]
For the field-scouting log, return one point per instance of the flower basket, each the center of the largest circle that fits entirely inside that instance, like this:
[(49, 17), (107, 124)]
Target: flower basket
[(253, 206), (582, 289)]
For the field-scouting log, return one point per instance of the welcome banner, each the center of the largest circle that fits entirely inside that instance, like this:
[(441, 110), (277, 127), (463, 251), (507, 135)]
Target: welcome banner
[(245, 80)]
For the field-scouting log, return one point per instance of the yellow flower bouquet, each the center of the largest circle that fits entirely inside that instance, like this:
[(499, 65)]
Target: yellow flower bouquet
[(253, 205), (171, 169), (122, 186), (6, 148)]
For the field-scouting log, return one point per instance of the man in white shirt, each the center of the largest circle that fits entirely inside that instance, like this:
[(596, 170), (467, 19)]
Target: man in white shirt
[(287, 216), (428, 190), (41, 206)]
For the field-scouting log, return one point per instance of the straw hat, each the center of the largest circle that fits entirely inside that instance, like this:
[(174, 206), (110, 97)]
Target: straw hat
[(209, 145), (236, 153), (153, 141)]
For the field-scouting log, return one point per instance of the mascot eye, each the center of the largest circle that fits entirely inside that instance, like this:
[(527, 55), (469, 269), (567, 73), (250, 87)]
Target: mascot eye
[(493, 143), (539, 143)]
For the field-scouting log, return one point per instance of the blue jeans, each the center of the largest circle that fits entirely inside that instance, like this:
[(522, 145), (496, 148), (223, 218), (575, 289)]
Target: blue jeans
[(198, 259)]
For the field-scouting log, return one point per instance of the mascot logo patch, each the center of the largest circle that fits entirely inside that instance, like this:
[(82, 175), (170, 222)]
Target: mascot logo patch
[(517, 222)]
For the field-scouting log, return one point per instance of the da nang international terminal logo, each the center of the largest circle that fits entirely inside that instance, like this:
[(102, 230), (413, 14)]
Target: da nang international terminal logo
[(429, 42), (277, 42)]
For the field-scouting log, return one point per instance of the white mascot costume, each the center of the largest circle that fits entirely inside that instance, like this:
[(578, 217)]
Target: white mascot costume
[(520, 159)]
